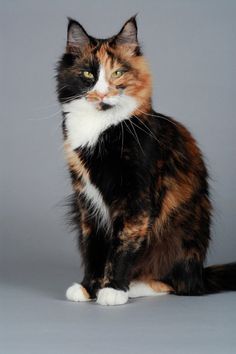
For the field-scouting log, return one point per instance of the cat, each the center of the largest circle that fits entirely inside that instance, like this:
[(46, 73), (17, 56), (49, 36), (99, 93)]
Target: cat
[(141, 202)]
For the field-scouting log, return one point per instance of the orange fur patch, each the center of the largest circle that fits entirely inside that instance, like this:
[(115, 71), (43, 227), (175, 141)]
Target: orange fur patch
[(177, 194), (85, 225), (137, 227), (85, 293), (76, 165), (159, 287)]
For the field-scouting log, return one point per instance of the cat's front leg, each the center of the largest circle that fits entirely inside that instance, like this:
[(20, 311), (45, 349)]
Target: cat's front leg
[(127, 246), (94, 250)]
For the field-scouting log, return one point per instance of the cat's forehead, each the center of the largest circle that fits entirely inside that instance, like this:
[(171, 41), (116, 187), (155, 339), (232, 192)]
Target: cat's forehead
[(105, 54)]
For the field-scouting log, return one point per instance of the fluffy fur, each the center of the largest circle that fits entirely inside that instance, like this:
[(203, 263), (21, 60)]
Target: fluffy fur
[(141, 202)]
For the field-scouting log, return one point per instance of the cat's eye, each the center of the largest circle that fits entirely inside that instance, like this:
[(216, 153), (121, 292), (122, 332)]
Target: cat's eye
[(118, 73), (88, 75)]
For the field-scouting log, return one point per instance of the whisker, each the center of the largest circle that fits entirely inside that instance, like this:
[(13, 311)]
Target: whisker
[(137, 139), (129, 129), (46, 117), (151, 133), (122, 139), (47, 106), (136, 125), (100, 143), (157, 116), (62, 88), (69, 98), (60, 111), (53, 104)]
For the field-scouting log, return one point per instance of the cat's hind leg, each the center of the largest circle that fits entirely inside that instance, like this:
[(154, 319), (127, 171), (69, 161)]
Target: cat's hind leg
[(139, 288)]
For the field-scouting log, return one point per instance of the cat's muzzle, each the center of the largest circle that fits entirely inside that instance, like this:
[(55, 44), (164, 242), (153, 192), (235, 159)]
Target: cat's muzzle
[(104, 106)]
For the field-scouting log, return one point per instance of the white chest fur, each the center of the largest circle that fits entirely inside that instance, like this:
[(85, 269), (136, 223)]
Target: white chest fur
[(85, 123)]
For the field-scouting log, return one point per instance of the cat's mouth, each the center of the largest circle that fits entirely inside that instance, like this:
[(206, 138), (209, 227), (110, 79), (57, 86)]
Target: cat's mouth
[(102, 106)]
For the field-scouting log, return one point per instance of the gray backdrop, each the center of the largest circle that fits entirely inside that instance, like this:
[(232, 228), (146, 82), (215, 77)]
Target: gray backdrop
[(191, 49)]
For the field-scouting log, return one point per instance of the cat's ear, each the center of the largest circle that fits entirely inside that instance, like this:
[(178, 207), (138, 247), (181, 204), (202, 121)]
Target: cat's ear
[(77, 37), (128, 35)]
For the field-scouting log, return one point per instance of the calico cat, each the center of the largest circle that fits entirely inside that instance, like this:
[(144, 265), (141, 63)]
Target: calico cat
[(141, 201)]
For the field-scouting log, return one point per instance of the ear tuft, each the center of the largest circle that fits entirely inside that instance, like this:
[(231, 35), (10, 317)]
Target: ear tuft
[(76, 35)]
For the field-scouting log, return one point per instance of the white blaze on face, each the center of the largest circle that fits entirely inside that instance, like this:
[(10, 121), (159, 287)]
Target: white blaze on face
[(102, 85)]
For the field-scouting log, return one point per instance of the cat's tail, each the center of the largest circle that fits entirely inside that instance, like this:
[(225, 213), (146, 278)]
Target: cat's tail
[(220, 278)]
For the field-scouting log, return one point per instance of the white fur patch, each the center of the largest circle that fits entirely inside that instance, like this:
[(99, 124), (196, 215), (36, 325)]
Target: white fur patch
[(110, 296), (101, 85), (139, 289), (75, 293), (98, 206), (84, 122)]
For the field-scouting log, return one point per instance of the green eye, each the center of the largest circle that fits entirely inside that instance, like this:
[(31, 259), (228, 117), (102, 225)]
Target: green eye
[(117, 74), (88, 75)]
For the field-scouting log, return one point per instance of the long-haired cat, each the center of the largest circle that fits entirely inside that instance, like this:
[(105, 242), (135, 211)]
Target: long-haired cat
[(141, 202)]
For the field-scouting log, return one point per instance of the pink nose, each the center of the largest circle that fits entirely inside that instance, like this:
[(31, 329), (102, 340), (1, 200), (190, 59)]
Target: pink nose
[(101, 95)]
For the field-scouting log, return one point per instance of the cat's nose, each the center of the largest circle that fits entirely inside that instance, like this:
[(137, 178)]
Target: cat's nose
[(101, 95)]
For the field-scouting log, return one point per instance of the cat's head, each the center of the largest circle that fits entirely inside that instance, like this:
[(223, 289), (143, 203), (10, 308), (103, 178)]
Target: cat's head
[(106, 73)]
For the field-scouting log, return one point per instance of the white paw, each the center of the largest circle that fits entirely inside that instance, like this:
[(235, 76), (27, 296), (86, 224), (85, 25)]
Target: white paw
[(77, 292), (110, 296)]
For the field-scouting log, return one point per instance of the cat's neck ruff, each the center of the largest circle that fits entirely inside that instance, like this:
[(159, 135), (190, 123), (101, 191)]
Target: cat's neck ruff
[(84, 123)]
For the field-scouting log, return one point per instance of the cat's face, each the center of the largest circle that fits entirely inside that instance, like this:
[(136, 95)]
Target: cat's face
[(104, 75)]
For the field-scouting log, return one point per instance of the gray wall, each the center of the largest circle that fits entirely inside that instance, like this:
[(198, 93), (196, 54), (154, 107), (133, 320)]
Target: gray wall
[(191, 49)]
